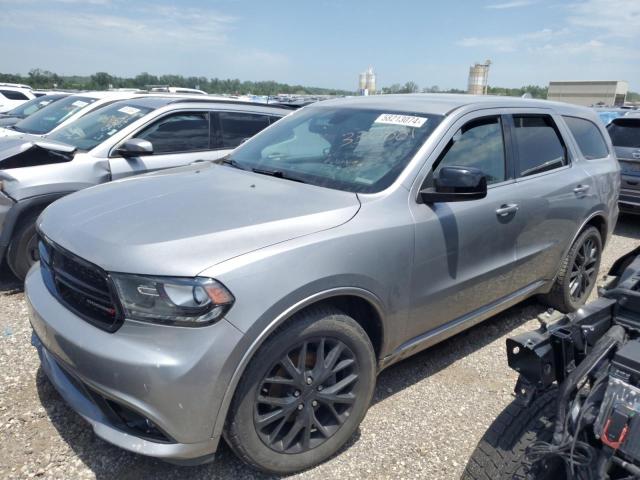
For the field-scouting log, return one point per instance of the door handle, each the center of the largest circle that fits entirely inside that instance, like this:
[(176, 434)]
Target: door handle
[(581, 189), (507, 209)]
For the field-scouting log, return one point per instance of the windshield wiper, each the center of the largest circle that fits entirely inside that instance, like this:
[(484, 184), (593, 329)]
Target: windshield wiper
[(277, 174), (227, 160)]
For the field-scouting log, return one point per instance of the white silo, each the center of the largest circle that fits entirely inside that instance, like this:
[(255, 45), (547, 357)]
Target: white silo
[(479, 78)]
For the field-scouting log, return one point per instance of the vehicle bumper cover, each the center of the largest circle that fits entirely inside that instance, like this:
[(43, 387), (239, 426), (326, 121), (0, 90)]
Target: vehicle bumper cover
[(174, 388)]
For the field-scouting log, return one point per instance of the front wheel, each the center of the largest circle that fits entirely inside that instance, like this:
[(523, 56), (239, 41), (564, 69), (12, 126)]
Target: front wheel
[(23, 249), (304, 393)]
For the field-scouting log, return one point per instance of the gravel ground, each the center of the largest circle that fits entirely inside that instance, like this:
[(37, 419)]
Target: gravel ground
[(427, 415)]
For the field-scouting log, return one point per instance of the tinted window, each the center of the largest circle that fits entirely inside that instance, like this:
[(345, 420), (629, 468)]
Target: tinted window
[(588, 137), (478, 144), (183, 132), (96, 127), (357, 150), (625, 132), (274, 119), (236, 127), (45, 120), (538, 144), (13, 95)]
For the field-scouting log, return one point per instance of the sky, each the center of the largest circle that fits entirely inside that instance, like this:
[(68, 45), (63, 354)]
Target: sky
[(327, 43)]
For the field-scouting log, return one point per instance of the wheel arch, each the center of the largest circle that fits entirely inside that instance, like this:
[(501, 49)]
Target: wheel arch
[(362, 305), (20, 211)]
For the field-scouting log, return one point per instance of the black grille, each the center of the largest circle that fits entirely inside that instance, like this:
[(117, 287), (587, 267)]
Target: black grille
[(82, 287)]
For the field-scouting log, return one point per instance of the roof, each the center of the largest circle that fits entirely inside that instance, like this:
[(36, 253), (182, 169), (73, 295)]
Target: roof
[(443, 103)]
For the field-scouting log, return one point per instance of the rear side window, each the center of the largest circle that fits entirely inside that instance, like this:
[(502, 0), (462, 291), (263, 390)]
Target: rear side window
[(625, 132), (235, 127), (538, 144), (478, 144), (588, 137), (13, 95), (183, 132)]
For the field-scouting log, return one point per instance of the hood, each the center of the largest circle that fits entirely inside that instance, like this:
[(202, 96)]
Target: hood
[(8, 120), (184, 221), (31, 150)]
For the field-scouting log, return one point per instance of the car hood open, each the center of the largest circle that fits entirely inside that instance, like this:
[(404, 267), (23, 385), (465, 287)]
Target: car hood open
[(184, 220), (31, 150)]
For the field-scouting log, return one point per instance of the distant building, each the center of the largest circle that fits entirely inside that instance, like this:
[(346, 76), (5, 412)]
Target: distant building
[(610, 93), (479, 78), (367, 82)]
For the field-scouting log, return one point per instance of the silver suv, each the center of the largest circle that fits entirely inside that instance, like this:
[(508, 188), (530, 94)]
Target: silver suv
[(257, 297), (117, 140)]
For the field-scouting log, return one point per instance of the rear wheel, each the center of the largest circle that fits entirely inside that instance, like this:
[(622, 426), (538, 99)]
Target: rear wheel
[(578, 273), (23, 249), (304, 393)]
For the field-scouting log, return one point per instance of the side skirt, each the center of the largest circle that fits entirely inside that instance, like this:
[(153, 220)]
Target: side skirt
[(458, 325)]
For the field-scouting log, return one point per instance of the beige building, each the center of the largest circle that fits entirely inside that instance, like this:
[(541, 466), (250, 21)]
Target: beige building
[(608, 93), (479, 78)]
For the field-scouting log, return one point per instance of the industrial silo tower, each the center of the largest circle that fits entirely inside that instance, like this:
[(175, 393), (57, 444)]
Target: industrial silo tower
[(479, 78), (367, 82)]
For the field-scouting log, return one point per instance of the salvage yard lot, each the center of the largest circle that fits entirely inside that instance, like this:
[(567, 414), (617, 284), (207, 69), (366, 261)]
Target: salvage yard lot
[(428, 412)]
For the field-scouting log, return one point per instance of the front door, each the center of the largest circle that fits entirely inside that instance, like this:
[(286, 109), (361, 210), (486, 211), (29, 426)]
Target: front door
[(465, 251)]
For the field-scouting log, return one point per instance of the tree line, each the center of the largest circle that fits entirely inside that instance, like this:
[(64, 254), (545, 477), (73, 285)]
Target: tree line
[(38, 78)]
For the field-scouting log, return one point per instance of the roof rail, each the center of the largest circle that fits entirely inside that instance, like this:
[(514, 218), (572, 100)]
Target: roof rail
[(234, 102), (16, 85)]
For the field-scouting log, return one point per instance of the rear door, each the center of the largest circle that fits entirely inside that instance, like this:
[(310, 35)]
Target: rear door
[(555, 194)]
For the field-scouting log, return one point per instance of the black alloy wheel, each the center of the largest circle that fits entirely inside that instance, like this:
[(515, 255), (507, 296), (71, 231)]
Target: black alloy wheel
[(306, 396), (304, 393), (584, 269)]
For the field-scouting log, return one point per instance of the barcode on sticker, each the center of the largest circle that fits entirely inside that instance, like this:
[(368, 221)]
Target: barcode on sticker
[(129, 110), (406, 120)]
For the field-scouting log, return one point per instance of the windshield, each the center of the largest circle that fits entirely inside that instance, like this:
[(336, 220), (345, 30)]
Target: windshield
[(95, 127), (32, 106), (625, 132), (52, 115), (343, 148)]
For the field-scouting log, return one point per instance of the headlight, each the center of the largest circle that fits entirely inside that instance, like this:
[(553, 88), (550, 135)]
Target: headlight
[(179, 301)]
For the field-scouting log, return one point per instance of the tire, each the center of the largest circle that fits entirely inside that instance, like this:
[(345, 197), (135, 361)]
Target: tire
[(273, 446), (500, 454), (561, 297), (23, 248)]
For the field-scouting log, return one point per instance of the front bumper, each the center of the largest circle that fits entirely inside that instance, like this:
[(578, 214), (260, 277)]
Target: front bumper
[(167, 375)]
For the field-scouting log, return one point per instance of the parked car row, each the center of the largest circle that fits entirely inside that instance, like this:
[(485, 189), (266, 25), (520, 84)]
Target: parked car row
[(256, 294), (95, 137)]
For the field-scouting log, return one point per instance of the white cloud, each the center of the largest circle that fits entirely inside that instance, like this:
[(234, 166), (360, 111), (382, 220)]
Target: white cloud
[(616, 18), (511, 43), (507, 5)]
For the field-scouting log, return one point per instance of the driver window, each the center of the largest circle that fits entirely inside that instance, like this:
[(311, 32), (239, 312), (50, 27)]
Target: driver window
[(478, 144), (182, 132)]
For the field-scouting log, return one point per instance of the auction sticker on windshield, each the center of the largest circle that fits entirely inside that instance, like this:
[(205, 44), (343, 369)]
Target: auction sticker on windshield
[(129, 110), (405, 120), (79, 103)]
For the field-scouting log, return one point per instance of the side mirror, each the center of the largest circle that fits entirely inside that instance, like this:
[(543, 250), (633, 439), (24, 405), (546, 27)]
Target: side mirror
[(135, 147), (456, 184)]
